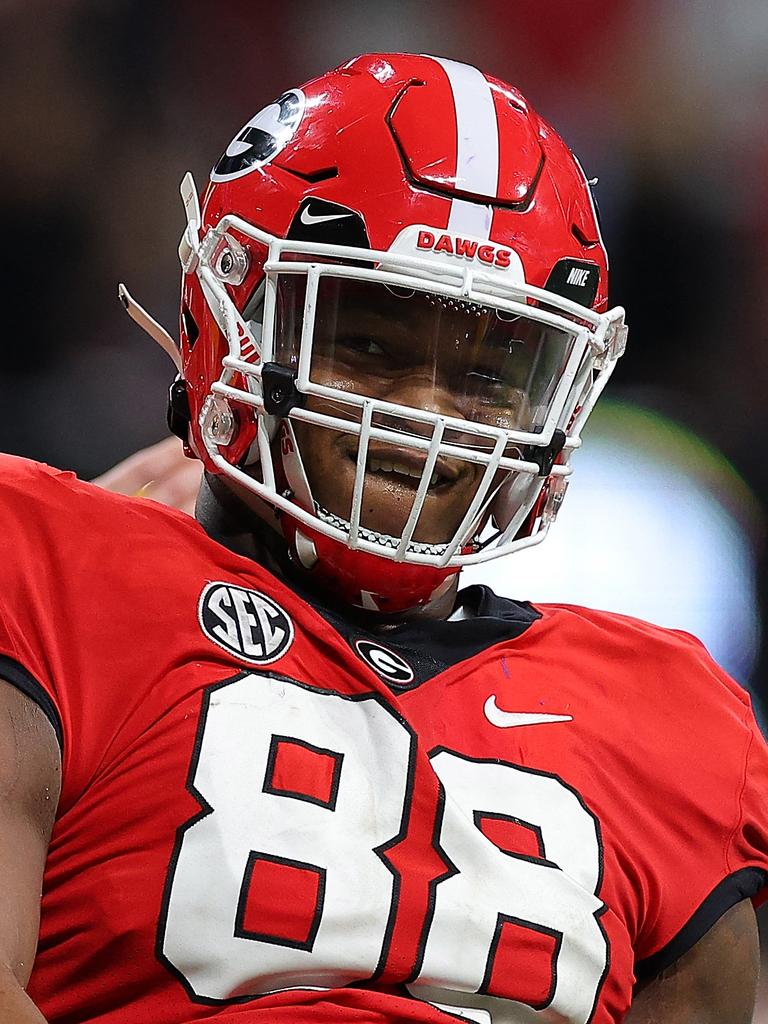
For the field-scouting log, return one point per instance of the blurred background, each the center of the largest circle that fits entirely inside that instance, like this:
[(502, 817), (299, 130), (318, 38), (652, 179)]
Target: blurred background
[(106, 105)]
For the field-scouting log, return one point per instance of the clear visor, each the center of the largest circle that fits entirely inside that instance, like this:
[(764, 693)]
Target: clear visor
[(431, 352)]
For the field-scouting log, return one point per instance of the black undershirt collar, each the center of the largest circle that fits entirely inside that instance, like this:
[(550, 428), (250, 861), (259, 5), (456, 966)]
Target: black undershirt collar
[(430, 646)]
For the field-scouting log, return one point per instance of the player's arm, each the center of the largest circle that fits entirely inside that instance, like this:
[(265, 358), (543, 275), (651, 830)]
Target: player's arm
[(30, 781), (161, 472), (715, 982)]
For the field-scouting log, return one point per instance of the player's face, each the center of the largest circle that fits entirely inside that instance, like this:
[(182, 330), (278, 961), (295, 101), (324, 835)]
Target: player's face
[(417, 350)]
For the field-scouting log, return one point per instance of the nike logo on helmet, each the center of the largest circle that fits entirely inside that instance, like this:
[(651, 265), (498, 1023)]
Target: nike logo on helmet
[(313, 218), (508, 719)]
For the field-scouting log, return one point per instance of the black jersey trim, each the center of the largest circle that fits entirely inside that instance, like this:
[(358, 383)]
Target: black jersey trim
[(15, 674), (741, 885), (430, 646)]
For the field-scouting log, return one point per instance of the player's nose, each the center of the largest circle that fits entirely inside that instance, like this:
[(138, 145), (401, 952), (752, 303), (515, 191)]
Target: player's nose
[(420, 389)]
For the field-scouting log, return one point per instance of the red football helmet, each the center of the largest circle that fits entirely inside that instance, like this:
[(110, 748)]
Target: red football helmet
[(401, 220)]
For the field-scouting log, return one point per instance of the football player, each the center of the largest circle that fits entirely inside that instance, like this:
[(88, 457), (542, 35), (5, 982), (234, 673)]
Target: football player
[(274, 765)]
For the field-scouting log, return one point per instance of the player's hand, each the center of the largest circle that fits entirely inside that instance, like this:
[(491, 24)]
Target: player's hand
[(161, 472)]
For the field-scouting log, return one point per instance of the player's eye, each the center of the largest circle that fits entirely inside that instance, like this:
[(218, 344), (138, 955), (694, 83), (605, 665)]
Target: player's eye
[(360, 344)]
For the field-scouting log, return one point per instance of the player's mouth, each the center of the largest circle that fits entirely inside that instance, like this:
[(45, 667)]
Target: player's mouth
[(392, 476), (404, 467)]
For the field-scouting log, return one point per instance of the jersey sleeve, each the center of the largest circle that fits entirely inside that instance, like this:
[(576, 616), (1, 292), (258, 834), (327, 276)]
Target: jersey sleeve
[(90, 608), (714, 835), (749, 846), (30, 658), (63, 546)]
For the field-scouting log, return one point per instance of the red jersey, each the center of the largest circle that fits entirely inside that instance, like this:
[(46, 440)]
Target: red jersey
[(270, 815)]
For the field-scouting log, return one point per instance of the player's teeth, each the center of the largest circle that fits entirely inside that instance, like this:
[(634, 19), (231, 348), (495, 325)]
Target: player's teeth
[(382, 466)]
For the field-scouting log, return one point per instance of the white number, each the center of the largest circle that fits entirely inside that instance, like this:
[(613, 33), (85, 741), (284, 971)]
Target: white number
[(335, 838), (496, 885), (201, 938)]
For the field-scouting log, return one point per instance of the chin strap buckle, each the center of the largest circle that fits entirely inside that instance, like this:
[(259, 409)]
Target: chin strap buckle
[(545, 457), (179, 416), (279, 389)]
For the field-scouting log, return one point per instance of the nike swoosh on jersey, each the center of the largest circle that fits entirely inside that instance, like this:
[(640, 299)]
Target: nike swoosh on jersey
[(508, 719), (314, 218)]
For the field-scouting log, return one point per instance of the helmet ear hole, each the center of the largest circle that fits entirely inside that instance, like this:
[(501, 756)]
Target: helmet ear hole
[(191, 329)]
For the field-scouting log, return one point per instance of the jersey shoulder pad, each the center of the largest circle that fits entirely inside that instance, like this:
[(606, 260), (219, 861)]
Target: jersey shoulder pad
[(659, 654), (20, 476), (39, 500)]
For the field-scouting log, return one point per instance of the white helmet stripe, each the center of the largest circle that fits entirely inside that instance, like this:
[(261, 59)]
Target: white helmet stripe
[(471, 219), (477, 147)]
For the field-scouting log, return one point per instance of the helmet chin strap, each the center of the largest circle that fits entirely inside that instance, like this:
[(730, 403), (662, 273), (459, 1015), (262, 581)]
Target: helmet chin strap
[(293, 467), (156, 331), (360, 579)]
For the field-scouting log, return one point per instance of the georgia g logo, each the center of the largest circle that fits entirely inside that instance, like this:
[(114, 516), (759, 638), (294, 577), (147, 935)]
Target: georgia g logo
[(262, 138)]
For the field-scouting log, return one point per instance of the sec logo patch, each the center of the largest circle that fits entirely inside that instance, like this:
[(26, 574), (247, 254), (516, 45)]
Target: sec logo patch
[(245, 623)]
